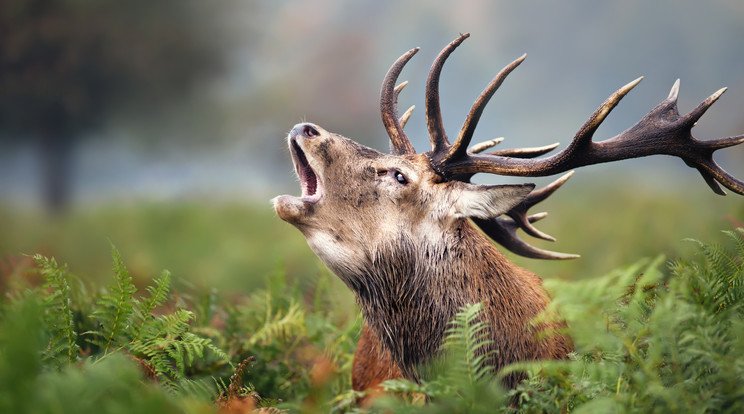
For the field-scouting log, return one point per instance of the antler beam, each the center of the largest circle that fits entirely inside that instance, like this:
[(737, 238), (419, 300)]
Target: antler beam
[(434, 123), (662, 131), (389, 106)]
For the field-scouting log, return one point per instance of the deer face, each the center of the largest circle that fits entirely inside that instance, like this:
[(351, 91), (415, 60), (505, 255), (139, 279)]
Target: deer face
[(355, 200)]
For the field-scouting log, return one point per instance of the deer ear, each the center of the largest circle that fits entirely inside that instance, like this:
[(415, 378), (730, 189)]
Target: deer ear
[(486, 201)]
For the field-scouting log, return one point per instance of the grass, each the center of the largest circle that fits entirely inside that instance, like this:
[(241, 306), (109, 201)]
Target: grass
[(229, 247)]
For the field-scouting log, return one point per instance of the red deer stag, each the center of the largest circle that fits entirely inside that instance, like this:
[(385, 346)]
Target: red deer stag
[(396, 228)]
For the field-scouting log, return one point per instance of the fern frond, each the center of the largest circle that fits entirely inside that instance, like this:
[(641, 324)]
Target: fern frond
[(737, 236), (280, 326), (158, 296), (166, 373), (718, 258), (117, 307), (467, 337), (718, 282), (167, 343), (58, 313), (171, 325)]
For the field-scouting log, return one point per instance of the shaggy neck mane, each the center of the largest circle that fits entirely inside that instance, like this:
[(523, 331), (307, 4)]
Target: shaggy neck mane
[(408, 286)]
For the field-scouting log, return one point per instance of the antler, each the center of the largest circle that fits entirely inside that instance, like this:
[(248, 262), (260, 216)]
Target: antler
[(662, 131), (389, 106)]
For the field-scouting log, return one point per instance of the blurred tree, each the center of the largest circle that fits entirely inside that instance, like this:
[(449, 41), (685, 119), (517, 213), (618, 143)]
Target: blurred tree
[(66, 66)]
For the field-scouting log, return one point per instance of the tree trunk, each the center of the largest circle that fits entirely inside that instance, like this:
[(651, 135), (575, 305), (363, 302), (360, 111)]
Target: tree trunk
[(56, 150)]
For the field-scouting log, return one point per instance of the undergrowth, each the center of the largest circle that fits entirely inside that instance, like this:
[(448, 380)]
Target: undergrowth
[(657, 336)]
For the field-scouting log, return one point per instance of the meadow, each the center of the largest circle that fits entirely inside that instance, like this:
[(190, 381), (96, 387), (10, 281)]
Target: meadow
[(246, 317)]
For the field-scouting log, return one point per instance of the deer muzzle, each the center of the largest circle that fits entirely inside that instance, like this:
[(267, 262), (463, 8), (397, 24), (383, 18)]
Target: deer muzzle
[(291, 208)]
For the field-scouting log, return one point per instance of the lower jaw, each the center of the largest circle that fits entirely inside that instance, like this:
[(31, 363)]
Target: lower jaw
[(294, 210)]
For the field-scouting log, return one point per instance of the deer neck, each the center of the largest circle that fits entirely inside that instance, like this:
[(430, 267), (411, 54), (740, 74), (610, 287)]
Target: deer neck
[(411, 289)]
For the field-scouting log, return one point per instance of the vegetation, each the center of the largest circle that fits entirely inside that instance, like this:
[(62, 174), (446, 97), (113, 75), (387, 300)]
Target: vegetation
[(661, 335), (188, 351)]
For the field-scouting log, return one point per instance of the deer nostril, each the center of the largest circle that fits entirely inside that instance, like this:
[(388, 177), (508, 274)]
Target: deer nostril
[(309, 131)]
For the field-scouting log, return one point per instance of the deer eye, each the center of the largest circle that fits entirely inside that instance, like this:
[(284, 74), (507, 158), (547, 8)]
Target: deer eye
[(399, 177)]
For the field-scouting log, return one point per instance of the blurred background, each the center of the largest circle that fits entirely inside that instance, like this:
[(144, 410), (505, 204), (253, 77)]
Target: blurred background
[(159, 126)]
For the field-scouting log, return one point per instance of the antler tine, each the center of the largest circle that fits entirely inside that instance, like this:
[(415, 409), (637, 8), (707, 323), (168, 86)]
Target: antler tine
[(712, 172), (406, 115), (585, 134), (403, 120), (505, 164), (525, 152), (696, 113), (438, 137), (509, 153), (482, 146), (723, 142), (458, 149), (674, 92), (504, 232), (397, 91), (519, 213), (389, 106)]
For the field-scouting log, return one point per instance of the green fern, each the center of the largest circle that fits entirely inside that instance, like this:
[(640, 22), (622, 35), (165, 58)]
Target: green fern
[(461, 379), (717, 283), (163, 344), (671, 343), (167, 345), (280, 325), (144, 309), (737, 236), (58, 313), (467, 337), (115, 308)]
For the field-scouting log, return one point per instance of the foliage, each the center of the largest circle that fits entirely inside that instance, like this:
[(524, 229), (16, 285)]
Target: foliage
[(656, 336), (179, 348), (32, 381), (670, 343), (58, 312), (120, 322)]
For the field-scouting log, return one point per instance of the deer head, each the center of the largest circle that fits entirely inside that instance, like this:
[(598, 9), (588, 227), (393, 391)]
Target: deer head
[(356, 201), (396, 228)]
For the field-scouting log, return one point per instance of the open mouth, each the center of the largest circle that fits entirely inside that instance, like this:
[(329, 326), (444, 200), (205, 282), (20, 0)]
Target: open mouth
[(311, 185)]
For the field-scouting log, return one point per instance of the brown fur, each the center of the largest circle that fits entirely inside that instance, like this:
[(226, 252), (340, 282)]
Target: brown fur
[(372, 364)]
